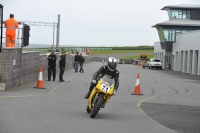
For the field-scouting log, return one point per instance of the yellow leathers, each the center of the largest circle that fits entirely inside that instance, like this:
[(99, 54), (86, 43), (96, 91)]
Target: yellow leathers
[(11, 26)]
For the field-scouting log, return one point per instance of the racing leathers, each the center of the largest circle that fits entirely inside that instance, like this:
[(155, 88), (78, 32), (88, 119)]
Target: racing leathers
[(104, 70)]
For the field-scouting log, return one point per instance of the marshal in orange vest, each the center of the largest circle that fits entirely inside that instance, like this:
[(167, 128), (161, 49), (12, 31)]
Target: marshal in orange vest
[(11, 24)]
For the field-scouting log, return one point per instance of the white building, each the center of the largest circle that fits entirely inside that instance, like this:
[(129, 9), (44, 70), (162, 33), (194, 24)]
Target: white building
[(179, 43)]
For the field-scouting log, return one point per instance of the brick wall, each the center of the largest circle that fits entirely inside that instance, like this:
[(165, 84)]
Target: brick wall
[(19, 68)]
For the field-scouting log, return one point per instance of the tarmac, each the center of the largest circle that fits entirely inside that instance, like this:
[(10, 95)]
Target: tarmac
[(170, 104)]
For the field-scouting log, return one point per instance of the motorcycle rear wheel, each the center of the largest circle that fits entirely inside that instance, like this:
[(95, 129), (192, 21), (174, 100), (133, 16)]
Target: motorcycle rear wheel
[(96, 107)]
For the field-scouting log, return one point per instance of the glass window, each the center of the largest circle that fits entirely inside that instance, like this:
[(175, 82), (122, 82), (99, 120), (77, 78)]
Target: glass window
[(187, 16), (156, 60), (169, 34), (180, 14)]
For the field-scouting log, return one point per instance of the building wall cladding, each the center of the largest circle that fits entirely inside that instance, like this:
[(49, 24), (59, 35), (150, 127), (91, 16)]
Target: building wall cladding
[(159, 53), (186, 52), (18, 69), (195, 15)]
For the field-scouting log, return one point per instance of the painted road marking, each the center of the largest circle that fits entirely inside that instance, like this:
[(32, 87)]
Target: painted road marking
[(64, 82), (140, 102), (23, 96)]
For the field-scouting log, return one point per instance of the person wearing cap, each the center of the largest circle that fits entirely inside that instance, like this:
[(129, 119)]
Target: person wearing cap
[(76, 61), (52, 65), (62, 63), (11, 24)]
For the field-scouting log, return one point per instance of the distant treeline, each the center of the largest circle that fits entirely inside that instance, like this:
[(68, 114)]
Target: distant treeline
[(134, 48), (123, 48)]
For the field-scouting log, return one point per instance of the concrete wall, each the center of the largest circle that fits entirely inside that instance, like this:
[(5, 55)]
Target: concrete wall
[(159, 53), (18, 68), (186, 51)]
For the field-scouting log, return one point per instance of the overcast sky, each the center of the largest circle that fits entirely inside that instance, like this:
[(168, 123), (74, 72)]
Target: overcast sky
[(93, 22)]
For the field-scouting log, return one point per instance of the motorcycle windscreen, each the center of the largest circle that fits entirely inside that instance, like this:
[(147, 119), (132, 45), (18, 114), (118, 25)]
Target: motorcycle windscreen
[(106, 84)]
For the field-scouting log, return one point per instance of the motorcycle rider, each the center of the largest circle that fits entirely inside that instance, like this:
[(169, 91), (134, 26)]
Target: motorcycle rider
[(109, 70)]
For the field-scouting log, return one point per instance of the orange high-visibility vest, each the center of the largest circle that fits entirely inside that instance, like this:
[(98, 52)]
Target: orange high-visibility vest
[(11, 26)]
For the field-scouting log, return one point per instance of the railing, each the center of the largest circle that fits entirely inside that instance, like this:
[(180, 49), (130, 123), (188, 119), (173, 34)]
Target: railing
[(18, 37)]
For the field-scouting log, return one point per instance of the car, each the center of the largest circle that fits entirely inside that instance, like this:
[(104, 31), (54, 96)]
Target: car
[(155, 63)]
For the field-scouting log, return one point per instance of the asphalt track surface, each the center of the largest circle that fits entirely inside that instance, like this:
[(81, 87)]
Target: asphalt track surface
[(170, 104)]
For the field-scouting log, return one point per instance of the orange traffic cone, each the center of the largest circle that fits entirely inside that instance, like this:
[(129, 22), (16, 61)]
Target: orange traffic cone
[(40, 84), (137, 86)]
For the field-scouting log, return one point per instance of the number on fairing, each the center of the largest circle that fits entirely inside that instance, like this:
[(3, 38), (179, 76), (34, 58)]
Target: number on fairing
[(105, 88)]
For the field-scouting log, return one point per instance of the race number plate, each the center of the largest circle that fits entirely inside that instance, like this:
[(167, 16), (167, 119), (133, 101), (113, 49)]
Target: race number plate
[(105, 88)]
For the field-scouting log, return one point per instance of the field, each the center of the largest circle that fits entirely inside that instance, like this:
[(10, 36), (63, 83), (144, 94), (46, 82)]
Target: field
[(121, 54)]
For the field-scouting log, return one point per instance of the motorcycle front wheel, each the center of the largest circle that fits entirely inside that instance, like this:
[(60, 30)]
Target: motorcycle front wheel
[(88, 109), (96, 107)]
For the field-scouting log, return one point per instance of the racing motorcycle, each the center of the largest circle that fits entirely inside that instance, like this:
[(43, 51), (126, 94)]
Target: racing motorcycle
[(100, 95)]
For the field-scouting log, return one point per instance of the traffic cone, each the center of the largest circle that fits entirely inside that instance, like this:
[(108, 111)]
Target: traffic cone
[(40, 84), (137, 86)]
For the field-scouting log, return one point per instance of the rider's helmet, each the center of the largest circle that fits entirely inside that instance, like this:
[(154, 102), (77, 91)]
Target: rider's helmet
[(112, 63)]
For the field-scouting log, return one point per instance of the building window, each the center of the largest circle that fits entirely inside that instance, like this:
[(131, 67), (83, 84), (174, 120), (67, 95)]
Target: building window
[(180, 14), (170, 34)]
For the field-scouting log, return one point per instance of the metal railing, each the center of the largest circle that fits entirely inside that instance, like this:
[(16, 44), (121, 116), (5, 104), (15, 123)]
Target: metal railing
[(18, 37)]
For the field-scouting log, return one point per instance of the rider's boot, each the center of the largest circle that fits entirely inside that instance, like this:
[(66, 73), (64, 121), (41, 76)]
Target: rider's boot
[(90, 90), (87, 95)]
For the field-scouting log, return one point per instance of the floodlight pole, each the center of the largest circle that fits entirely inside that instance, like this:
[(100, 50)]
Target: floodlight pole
[(1, 25), (58, 32)]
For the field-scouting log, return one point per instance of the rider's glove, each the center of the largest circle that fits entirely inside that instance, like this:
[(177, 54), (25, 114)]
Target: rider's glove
[(94, 81)]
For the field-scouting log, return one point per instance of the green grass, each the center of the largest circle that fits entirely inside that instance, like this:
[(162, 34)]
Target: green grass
[(136, 53), (96, 52), (137, 57)]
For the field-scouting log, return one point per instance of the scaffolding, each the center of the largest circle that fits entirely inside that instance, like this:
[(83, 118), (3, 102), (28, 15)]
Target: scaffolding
[(30, 23)]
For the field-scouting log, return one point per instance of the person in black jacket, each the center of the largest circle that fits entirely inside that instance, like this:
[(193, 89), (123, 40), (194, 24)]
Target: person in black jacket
[(81, 61), (109, 70), (62, 63), (52, 65), (76, 62)]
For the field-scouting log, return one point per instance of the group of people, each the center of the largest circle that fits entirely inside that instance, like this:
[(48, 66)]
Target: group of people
[(52, 65), (79, 59), (109, 69)]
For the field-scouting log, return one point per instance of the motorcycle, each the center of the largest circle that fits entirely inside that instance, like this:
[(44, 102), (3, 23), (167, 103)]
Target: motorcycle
[(100, 95)]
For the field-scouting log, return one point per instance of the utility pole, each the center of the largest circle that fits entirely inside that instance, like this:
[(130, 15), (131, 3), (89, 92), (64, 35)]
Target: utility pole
[(58, 32), (1, 25), (53, 33)]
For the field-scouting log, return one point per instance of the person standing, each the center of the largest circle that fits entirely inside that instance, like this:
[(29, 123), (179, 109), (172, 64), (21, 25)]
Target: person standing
[(81, 61), (88, 52), (52, 65), (11, 24), (76, 62), (62, 63)]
